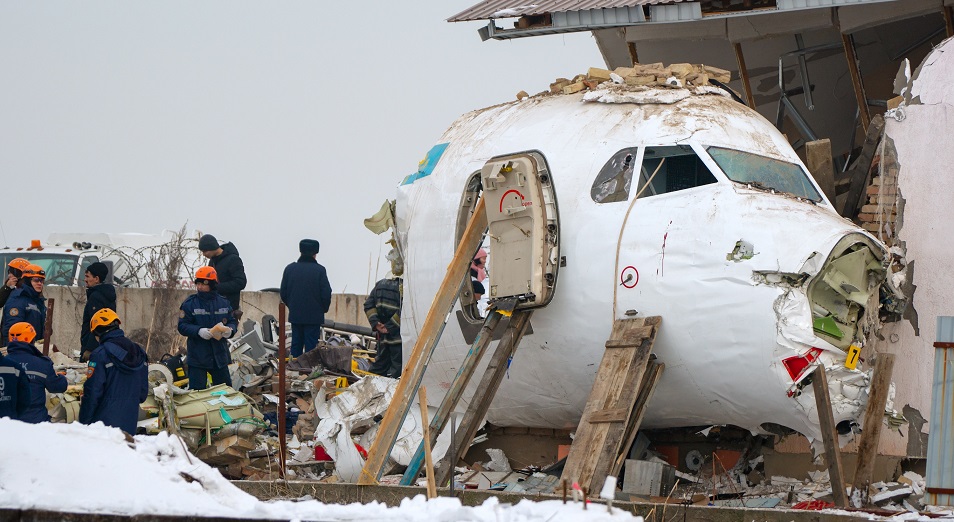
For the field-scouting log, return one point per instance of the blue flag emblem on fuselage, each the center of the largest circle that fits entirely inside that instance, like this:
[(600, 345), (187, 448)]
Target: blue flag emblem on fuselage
[(426, 166)]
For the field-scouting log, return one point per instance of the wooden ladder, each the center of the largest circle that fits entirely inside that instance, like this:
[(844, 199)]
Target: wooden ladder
[(625, 382)]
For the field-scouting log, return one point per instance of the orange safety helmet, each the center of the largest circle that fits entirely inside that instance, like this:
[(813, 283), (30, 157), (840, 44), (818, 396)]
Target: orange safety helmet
[(207, 273), (103, 317), (18, 263), (22, 332), (32, 271)]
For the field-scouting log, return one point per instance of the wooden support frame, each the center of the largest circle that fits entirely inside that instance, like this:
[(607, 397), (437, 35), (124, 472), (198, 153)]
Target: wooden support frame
[(874, 419), (428, 462), (860, 175), (829, 437), (428, 335), (282, 355), (646, 390), (744, 75), (949, 20), (48, 326), (489, 384), (856, 82), (619, 379)]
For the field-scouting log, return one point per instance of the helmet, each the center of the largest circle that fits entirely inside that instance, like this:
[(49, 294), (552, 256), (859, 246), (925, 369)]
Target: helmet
[(22, 332), (207, 273), (32, 271), (103, 317), (18, 263)]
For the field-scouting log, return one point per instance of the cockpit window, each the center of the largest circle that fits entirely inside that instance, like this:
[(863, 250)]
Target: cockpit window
[(613, 182), (668, 169), (765, 173)]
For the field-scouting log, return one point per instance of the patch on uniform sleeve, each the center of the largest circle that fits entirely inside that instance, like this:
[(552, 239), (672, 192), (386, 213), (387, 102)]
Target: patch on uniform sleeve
[(90, 369), (181, 314), (14, 312)]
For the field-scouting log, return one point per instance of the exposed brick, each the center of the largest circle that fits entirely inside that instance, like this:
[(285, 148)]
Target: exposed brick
[(866, 217), (574, 88), (871, 227)]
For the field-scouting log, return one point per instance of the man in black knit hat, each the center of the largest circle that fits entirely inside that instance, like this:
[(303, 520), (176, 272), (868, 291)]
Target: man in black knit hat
[(99, 294), (229, 268)]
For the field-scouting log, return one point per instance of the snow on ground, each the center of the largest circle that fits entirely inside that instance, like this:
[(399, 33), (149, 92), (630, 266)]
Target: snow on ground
[(92, 469)]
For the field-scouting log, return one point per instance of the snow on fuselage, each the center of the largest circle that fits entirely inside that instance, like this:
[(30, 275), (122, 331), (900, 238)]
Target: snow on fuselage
[(725, 330)]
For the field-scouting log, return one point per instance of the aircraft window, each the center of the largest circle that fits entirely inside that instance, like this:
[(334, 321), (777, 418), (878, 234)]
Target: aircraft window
[(766, 173), (613, 182), (668, 169)]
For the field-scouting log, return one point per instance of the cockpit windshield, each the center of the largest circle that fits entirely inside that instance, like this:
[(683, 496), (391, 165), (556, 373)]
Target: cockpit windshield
[(765, 173)]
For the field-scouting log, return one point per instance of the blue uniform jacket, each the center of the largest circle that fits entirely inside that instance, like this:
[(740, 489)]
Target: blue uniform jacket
[(24, 305), (14, 389), (204, 310), (39, 371), (116, 383), (306, 291)]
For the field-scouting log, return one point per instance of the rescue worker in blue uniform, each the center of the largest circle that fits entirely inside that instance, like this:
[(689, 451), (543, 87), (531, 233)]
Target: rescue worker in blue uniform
[(26, 303), (14, 389), (14, 275), (307, 293), (39, 371), (116, 376), (206, 319)]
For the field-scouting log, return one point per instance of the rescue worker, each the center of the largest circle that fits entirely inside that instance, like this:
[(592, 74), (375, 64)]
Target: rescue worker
[(116, 376), (99, 294), (307, 293), (26, 303), (229, 269), (383, 308), (14, 389), (38, 369), (14, 273), (206, 319)]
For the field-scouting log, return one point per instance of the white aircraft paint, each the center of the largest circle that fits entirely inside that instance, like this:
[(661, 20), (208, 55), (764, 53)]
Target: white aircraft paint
[(725, 330)]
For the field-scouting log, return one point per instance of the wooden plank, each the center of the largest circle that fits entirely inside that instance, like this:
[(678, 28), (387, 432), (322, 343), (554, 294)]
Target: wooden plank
[(427, 339), (819, 162), (646, 390), (829, 437), (489, 384), (860, 97), (614, 415), (429, 463), (949, 20), (860, 174), (744, 76), (874, 419), (616, 387), (48, 327)]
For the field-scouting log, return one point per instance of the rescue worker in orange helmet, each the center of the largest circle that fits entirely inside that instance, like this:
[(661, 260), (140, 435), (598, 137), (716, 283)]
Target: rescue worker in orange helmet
[(206, 319), (26, 303), (39, 371), (14, 275), (116, 376)]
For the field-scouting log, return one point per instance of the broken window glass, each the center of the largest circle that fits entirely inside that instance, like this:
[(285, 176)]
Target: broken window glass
[(765, 173), (668, 169), (612, 183)]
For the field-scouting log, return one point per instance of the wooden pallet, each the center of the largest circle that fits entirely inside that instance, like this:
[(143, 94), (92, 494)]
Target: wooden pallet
[(612, 414)]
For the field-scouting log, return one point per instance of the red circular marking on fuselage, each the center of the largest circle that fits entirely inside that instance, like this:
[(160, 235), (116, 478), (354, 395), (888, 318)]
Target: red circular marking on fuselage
[(515, 191), (630, 284)]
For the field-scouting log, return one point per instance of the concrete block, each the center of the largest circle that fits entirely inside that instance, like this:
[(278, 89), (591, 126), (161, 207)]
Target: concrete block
[(574, 88)]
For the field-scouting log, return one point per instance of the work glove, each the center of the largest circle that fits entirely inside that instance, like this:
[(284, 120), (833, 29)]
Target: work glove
[(205, 333), (227, 333)]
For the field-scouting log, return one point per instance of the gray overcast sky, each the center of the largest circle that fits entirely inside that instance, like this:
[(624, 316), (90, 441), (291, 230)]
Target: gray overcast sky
[(261, 123)]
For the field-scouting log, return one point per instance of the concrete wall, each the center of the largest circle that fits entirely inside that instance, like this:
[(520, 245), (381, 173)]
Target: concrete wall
[(150, 315)]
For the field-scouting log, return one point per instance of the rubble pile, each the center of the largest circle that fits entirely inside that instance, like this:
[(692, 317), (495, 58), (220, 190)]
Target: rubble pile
[(639, 76)]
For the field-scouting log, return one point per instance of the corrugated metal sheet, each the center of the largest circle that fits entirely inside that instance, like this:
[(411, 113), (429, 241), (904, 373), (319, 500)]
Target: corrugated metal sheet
[(940, 458), (513, 8)]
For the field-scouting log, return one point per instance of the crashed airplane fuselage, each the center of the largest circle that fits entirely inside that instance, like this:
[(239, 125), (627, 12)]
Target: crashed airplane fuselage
[(688, 206)]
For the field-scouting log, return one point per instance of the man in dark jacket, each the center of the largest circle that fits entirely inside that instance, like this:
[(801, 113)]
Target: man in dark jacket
[(99, 294), (116, 376), (39, 371), (26, 303), (307, 293), (14, 274), (206, 319), (14, 389), (383, 308), (229, 268)]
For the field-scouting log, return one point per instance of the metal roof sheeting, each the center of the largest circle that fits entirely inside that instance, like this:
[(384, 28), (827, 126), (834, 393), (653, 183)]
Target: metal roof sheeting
[(489, 9)]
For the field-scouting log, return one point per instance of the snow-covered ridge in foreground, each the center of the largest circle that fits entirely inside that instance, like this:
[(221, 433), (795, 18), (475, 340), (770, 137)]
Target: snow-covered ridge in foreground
[(92, 469)]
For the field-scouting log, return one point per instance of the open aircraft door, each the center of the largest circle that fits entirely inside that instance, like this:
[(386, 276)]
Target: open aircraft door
[(523, 233)]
